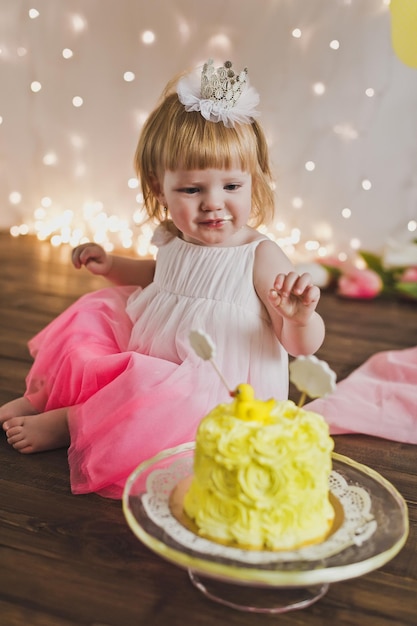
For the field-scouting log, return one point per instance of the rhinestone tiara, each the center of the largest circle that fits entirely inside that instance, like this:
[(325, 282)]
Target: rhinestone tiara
[(220, 94), (222, 84)]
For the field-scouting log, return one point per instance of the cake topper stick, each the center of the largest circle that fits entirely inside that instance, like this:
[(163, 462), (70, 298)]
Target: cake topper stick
[(204, 348)]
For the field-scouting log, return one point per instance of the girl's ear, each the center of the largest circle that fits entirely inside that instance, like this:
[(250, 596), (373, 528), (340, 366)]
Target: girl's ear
[(157, 189)]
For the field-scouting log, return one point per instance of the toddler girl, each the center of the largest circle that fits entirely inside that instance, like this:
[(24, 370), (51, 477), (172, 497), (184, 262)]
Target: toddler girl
[(114, 377)]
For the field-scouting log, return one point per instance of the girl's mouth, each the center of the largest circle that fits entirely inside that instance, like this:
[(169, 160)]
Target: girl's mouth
[(216, 223)]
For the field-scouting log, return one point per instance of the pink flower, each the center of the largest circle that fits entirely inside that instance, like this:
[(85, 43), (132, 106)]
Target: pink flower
[(409, 275), (360, 284)]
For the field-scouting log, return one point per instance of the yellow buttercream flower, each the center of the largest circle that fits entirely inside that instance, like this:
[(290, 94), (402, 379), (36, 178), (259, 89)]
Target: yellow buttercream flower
[(259, 485)]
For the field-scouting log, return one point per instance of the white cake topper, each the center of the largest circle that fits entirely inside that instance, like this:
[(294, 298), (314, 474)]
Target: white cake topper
[(312, 377), (205, 348)]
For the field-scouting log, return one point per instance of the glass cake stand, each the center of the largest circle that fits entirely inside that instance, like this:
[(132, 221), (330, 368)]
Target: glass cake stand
[(370, 528)]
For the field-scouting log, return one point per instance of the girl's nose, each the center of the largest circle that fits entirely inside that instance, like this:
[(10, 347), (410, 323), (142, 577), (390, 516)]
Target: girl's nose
[(212, 202)]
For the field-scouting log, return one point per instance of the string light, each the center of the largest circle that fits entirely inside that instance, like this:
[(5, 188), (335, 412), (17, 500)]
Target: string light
[(220, 41), (15, 197), (79, 23), (184, 29), (346, 131), (319, 89), (148, 37), (280, 227), (77, 141), (297, 202), (50, 159), (312, 245)]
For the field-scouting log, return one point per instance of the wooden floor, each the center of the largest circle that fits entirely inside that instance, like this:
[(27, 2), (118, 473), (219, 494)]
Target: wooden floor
[(71, 560)]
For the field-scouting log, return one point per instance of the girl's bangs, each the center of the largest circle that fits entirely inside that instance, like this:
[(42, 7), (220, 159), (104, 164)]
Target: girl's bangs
[(202, 145)]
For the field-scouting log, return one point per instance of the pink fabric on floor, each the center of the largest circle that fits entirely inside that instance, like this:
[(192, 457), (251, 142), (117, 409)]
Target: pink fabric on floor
[(379, 398)]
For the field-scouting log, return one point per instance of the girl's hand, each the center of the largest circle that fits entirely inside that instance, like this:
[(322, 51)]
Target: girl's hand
[(93, 257), (294, 297)]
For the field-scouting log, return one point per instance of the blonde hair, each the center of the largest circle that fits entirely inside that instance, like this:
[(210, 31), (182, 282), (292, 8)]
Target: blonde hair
[(173, 138)]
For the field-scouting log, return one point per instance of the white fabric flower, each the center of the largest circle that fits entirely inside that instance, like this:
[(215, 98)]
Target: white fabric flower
[(241, 111)]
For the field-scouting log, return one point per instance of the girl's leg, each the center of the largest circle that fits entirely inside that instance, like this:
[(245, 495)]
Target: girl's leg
[(37, 433), (16, 408)]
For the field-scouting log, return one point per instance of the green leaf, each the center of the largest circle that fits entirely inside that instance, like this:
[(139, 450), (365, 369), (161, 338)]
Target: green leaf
[(408, 289), (372, 261)]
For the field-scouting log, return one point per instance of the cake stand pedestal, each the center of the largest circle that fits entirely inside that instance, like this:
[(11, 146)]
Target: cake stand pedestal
[(258, 599), (370, 528)]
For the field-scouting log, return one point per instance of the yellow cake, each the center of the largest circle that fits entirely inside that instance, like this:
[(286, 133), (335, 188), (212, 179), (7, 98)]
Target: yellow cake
[(261, 475)]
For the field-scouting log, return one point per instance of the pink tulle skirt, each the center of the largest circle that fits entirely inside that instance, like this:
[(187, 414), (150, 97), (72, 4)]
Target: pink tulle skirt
[(124, 406)]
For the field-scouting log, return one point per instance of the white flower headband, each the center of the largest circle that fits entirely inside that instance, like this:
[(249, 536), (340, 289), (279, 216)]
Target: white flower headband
[(219, 94)]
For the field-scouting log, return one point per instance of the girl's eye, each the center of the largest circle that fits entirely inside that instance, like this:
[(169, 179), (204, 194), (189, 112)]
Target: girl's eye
[(190, 190), (232, 187)]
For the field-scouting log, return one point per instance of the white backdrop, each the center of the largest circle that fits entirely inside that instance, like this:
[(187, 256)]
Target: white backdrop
[(333, 94)]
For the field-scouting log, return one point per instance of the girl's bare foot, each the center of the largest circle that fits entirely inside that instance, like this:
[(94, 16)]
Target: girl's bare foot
[(16, 408), (37, 433)]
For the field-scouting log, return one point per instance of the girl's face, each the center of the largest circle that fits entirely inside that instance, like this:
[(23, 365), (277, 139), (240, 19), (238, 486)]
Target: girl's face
[(210, 207)]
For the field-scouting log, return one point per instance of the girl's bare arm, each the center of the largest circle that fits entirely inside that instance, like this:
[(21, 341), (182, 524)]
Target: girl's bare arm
[(118, 270), (290, 300)]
